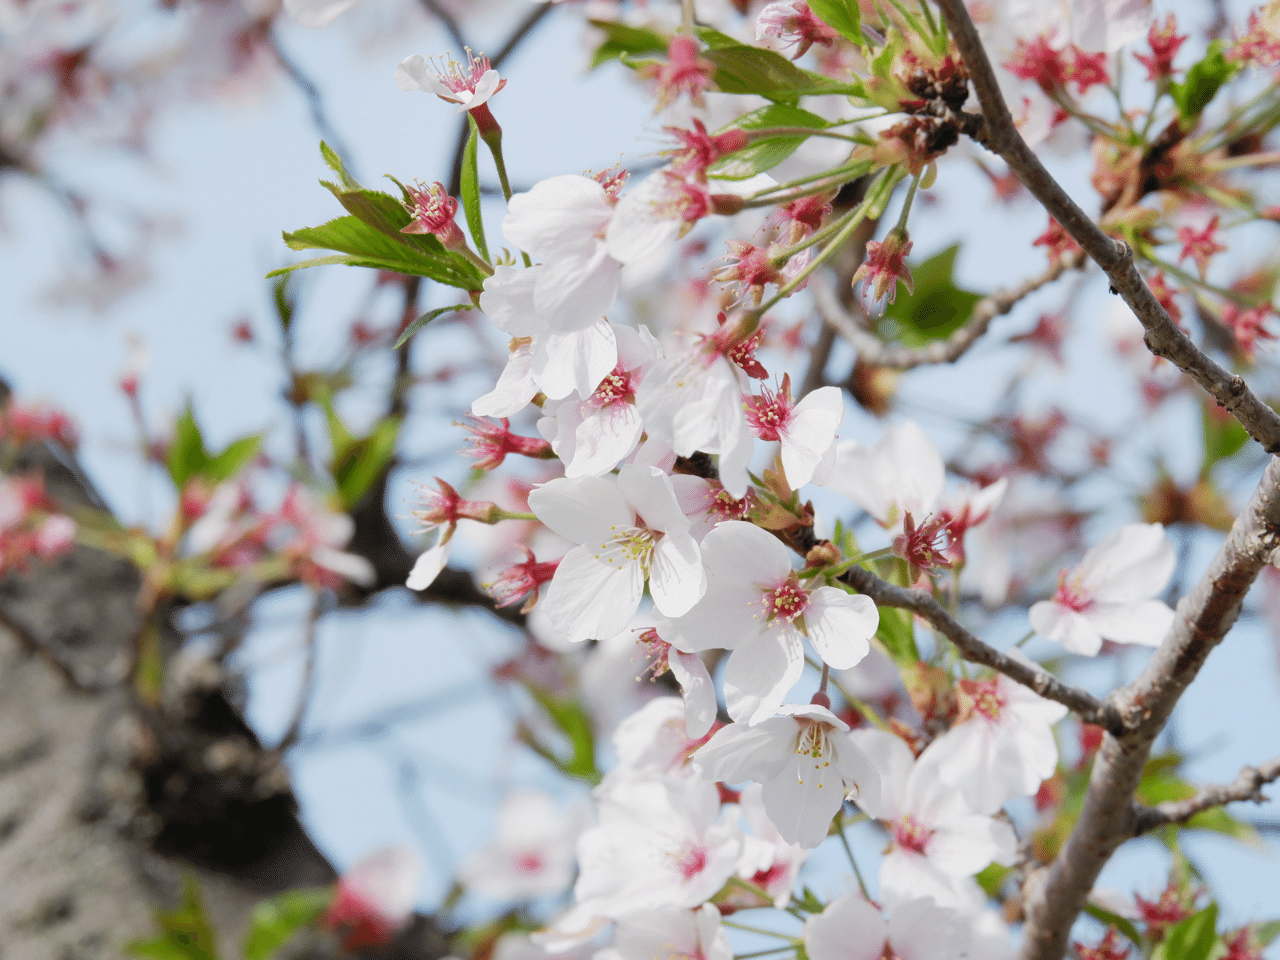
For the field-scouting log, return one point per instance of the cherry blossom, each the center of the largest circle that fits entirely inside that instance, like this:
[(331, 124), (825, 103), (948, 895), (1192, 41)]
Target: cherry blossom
[(938, 841), (806, 762), (790, 23), (852, 929), (1108, 594), (533, 853), (469, 85), (433, 211), (1001, 745), (696, 687), (902, 472), (1164, 42), (885, 266), (807, 430), (375, 898), (756, 606), (768, 860), (659, 843), (670, 935), (630, 529)]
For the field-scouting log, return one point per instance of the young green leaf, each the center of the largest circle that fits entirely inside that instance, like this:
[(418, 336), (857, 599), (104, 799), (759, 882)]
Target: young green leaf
[(471, 190), (841, 15), (362, 460), (187, 455), (744, 69), (426, 318), (621, 39), (766, 151), (1192, 939), (938, 307), (186, 933), (1202, 83), (898, 636), (274, 922)]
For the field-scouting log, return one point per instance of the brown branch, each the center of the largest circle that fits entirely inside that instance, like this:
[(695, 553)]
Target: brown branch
[(1089, 708), (1163, 338), (308, 675), (871, 349), (1247, 786), (1055, 896)]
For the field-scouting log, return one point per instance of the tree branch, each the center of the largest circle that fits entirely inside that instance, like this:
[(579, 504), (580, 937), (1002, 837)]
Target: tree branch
[(1055, 896), (1247, 786), (871, 349), (1089, 708), (1163, 338)]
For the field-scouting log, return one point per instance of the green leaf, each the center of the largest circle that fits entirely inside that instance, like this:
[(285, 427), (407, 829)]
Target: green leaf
[(426, 318), (992, 878), (1203, 81), (275, 921), (765, 152), (1266, 932), (620, 39), (334, 163), (233, 459), (898, 635), (1192, 939), (285, 301), (361, 461), (841, 15), (365, 246), (187, 455), (1123, 924), (744, 69), (570, 718), (1223, 436), (186, 933), (938, 307), (1217, 820), (471, 190)]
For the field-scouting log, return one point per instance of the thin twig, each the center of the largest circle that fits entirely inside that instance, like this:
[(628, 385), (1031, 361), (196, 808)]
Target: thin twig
[(1089, 708), (1247, 786), (874, 351), (315, 101), (308, 675), (450, 24), (1163, 338)]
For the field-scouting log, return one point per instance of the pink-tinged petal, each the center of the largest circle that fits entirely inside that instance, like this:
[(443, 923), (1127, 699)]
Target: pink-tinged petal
[(810, 433), (738, 753), (849, 929), (649, 491), (761, 671), (514, 389), (698, 690), (558, 216), (564, 362), (638, 229), (676, 577), (855, 766), (604, 438), (894, 761), (902, 472), (840, 626), (1134, 563), (428, 566), (921, 930), (1145, 623), (412, 72), (583, 510), (507, 300), (1071, 629), (576, 290), (803, 800), (967, 844), (590, 600)]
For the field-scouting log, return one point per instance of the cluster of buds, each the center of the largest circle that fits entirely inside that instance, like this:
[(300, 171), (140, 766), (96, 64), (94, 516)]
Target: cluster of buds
[(28, 527), (1051, 69), (21, 425)]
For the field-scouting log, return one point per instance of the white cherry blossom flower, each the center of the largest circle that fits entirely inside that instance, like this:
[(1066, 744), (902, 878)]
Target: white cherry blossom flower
[(852, 929), (806, 430), (806, 762), (1108, 595), (938, 841), (670, 935), (768, 860), (757, 606), (902, 473), (592, 435), (533, 853), (1002, 745), (631, 529), (554, 361), (659, 843), (468, 85), (375, 897)]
